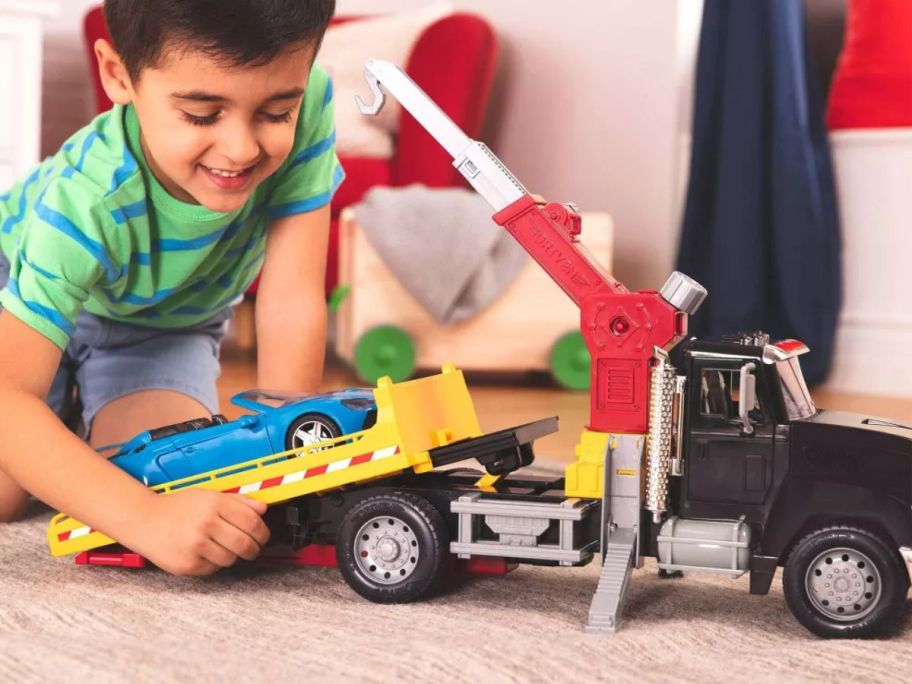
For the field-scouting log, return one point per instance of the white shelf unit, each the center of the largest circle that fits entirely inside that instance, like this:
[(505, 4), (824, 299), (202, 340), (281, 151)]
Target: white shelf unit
[(21, 36)]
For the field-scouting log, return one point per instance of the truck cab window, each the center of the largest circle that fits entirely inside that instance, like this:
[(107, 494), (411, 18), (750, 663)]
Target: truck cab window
[(719, 394), (716, 394)]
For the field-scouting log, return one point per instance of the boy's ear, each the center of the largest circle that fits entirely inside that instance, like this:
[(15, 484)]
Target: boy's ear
[(114, 77)]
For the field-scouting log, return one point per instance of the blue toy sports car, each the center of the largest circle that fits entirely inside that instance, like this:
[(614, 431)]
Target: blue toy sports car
[(278, 422)]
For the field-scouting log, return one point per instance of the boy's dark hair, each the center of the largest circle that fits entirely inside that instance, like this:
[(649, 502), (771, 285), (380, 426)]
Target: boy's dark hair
[(240, 32)]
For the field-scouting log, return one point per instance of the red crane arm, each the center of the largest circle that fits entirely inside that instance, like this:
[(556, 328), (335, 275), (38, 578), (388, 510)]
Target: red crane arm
[(621, 328)]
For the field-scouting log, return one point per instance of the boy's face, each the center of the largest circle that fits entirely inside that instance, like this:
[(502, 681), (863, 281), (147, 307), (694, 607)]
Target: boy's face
[(212, 133)]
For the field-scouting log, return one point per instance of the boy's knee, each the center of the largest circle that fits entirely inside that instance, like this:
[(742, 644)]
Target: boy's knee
[(11, 511), (13, 500)]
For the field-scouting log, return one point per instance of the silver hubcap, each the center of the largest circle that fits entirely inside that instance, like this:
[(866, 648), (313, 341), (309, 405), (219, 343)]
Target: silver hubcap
[(386, 550), (843, 584), (310, 433)]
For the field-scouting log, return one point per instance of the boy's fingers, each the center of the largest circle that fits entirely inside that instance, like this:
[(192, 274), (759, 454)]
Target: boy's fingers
[(258, 506), (199, 567), (236, 541), (205, 567), (247, 520), (218, 555)]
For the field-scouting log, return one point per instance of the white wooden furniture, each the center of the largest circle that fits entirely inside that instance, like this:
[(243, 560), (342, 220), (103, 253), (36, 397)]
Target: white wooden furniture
[(21, 35), (514, 333), (874, 338)]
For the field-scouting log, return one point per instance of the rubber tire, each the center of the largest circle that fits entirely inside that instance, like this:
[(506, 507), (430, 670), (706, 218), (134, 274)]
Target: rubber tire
[(893, 573), (327, 422), (433, 545), (385, 350)]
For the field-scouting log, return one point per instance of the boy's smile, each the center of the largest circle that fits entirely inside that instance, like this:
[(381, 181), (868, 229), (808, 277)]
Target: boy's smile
[(212, 132)]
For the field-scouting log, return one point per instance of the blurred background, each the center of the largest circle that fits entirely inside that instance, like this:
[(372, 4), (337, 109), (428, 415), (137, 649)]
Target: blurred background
[(574, 93), (740, 142)]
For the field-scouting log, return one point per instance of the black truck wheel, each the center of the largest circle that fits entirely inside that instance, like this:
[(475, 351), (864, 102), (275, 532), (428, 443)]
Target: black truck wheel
[(845, 582), (392, 548)]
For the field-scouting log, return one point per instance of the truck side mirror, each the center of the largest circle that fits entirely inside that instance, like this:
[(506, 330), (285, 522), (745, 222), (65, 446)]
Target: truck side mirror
[(747, 396)]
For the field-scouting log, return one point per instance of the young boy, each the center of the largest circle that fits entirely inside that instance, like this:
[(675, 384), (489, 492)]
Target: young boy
[(122, 254)]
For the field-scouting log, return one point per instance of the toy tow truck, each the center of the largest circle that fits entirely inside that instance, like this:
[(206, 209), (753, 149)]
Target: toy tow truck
[(723, 466)]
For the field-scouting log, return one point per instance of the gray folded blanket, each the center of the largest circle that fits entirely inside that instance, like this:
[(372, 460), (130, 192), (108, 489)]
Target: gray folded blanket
[(442, 246)]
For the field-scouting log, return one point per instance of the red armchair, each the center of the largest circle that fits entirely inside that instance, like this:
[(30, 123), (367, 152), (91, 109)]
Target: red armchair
[(453, 60)]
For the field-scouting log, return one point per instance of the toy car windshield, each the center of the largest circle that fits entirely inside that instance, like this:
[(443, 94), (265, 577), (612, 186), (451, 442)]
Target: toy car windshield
[(272, 398)]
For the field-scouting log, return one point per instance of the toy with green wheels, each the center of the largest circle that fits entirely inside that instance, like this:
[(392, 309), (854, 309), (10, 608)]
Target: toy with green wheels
[(381, 330)]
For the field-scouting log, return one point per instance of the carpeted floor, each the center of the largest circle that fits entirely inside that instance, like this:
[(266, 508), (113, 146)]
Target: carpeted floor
[(277, 624)]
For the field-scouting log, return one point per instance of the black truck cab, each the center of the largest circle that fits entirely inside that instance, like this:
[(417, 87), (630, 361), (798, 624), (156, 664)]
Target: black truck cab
[(753, 446)]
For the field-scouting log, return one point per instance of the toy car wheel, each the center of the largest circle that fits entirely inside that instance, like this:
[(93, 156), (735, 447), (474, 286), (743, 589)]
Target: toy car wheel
[(570, 362), (385, 350), (310, 429), (392, 548), (845, 582)]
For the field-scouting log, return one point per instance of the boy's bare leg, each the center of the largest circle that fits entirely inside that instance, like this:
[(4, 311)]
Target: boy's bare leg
[(129, 415), (12, 499), (118, 421)]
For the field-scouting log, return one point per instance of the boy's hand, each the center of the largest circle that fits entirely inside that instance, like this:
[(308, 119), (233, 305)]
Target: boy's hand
[(191, 532), (197, 531)]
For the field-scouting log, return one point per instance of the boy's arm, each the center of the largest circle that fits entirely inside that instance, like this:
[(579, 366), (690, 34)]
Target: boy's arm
[(191, 532), (291, 313)]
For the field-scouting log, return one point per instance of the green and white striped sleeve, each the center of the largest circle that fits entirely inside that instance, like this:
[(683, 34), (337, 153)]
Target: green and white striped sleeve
[(60, 256), (310, 176)]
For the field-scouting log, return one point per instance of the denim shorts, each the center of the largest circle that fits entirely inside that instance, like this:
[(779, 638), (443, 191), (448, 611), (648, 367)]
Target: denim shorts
[(105, 360)]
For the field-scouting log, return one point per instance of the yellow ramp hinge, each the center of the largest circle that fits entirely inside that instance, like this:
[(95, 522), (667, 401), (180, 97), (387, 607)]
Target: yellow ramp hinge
[(585, 478)]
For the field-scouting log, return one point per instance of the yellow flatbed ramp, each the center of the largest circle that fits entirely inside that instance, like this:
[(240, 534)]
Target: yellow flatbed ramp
[(413, 417)]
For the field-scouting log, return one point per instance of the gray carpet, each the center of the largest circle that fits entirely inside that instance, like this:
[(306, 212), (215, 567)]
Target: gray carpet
[(277, 624)]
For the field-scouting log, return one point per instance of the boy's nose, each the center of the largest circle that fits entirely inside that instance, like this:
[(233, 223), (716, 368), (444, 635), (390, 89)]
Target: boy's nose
[(240, 146)]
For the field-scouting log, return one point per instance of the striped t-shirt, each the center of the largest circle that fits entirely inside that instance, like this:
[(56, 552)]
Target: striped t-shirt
[(91, 228)]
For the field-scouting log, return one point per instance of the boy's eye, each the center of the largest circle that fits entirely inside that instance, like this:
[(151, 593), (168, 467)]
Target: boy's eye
[(285, 117), (210, 119), (200, 120)]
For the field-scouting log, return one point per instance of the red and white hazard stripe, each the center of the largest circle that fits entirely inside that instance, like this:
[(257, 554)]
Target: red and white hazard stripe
[(75, 534), (341, 464)]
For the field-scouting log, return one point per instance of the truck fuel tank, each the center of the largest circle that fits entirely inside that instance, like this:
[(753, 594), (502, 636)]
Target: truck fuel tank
[(713, 545)]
